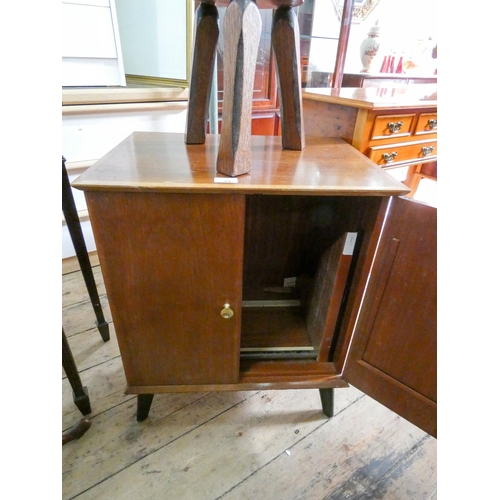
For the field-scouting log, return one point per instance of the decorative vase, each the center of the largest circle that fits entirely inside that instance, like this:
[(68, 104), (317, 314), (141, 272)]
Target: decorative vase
[(370, 50)]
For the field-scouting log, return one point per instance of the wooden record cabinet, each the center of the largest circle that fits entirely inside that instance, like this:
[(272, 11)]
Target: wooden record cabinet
[(262, 281)]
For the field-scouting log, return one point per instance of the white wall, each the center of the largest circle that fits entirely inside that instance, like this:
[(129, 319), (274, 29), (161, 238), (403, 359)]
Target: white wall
[(89, 136), (90, 44)]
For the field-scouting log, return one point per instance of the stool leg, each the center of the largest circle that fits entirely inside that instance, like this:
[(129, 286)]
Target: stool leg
[(80, 393), (327, 398), (286, 46), (75, 231), (241, 28), (143, 406), (207, 34)]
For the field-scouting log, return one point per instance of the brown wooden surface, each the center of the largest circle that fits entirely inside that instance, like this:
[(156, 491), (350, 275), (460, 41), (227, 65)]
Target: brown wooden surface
[(367, 128), (326, 299), (372, 128), (423, 126), (156, 161), (364, 447), (365, 217), (278, 327), (158, 254), (393, 354), (258, 375), (381, 128), (418, 172), (345, 28), (205, 44), (286, 46), (384, 79), (241, 29), (410, 96), (406, 153)]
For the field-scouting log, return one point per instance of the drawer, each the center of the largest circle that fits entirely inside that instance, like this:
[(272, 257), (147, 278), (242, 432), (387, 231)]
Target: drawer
[(399, 125), (400, 153), (426, 124)]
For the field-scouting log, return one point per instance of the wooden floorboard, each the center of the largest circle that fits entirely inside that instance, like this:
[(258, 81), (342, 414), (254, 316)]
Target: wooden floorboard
[(256, 445)]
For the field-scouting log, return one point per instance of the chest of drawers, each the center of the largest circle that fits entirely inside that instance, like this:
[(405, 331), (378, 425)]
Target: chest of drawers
[(396, 128)]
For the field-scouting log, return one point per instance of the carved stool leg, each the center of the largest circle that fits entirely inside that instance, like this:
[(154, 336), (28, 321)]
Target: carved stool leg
[(241, 28), (205, 44), (143, 406), (286, 45), (327, 398), (75, 231), (80, 393)]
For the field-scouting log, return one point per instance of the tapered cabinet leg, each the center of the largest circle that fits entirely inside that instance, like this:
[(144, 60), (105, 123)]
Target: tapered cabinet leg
[(327, 397), (205, 44), (286, 46), (241, 30), (143, 406)]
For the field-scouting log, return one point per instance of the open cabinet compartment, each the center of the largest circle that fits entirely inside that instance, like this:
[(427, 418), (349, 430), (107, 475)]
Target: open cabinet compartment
[(297, 258)]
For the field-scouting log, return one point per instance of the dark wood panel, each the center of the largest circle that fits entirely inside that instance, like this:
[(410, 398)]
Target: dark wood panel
[(393, 355), (327, 295), (274, 327), (168, 277)]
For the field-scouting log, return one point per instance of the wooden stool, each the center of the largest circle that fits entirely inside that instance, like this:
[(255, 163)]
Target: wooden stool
[(241, 29)]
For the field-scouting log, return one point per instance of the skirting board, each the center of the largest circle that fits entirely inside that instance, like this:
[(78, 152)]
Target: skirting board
[(70, 264)]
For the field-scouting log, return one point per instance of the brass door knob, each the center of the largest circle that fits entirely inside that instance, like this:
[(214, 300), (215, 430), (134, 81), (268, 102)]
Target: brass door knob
[(227, 312)]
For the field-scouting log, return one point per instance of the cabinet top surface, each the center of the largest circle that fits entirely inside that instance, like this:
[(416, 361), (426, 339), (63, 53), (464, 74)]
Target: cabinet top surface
[(407, 96), (157, 161)]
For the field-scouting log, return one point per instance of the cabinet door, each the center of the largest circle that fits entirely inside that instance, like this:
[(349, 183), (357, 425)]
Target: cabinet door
[(168, 273), (393, 355)]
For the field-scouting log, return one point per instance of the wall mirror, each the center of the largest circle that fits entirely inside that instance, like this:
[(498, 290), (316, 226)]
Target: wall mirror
[(127, 44)]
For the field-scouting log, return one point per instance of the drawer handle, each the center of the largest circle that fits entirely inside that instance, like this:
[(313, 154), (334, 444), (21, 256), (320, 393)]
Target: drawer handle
[(227, 312), (388, 157), (427, 150), (432, 123), (395, 127)]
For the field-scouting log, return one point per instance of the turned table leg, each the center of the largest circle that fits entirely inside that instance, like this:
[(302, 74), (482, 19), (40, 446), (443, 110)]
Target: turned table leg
[(143, 406), (241, 29), (286, 45), (327, 397), (80, 393), (205, 44), (75, 231)]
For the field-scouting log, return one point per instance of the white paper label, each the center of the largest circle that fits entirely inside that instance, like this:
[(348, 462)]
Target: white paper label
[(290, 281), (225, 180), (350, 241)]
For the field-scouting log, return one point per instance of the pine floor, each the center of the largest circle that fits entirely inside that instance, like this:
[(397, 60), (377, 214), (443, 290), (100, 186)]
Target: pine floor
[(256, 445)]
